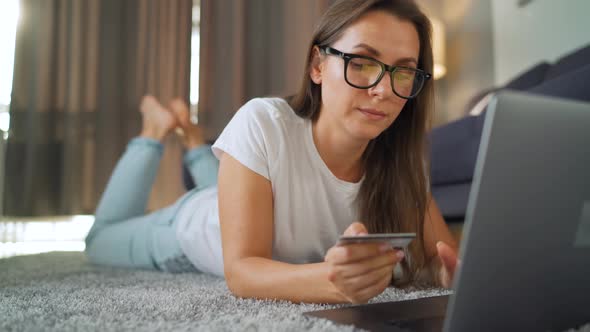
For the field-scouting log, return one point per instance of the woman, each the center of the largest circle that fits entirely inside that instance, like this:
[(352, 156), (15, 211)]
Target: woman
[(293, 176)]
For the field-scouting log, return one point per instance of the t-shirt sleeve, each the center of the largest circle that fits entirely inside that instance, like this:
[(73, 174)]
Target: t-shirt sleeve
[(245, 137)]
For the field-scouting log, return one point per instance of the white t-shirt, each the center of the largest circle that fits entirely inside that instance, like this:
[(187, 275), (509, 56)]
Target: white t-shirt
[(311, 206)]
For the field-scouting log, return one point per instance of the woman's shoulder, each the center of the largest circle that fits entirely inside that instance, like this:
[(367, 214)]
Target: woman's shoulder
[(270, 109)]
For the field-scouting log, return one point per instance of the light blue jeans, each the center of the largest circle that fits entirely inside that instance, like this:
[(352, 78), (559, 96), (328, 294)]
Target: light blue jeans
[(122, 234)]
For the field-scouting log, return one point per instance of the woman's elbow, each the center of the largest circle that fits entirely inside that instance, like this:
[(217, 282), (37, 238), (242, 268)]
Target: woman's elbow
[(234, 283)]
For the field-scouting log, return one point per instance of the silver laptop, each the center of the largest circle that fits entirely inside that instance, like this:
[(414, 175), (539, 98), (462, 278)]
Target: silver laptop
[(526, 241)]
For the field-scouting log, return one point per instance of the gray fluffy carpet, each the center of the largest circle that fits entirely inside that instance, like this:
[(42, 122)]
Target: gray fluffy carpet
[(62, 292)]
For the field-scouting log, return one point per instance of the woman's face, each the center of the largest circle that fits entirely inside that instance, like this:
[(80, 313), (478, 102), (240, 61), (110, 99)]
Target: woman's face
[(366, 113)]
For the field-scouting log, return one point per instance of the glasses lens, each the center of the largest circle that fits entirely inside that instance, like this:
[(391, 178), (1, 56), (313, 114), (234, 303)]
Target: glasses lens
[(362, 72), (407, 82)]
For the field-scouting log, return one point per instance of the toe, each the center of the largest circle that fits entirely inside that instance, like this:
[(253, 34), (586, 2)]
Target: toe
[(179, 104), (180, 112), (149, 102)]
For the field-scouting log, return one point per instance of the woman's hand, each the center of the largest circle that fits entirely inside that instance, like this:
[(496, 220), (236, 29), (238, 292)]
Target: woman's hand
[(449, 263), (361, 271)]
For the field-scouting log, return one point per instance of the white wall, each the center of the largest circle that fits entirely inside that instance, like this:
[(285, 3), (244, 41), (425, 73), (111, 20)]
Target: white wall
[(469, 54), (541, 30)]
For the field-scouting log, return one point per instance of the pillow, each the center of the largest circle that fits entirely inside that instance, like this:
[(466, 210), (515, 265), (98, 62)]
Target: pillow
[(454, 150), (529, 78), (569, 63), (573, 85)]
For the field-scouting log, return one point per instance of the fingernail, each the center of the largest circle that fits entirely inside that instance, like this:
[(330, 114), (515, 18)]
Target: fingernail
[(400, 254), (385, 247)]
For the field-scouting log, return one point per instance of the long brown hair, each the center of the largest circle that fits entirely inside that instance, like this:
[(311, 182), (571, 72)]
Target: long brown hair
[(393, 196)]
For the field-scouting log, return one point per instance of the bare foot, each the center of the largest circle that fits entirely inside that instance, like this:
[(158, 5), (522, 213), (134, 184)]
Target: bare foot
[(157, 120), (190, 133)]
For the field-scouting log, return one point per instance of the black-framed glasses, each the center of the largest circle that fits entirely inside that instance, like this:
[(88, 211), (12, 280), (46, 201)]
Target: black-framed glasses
[(364, 72)]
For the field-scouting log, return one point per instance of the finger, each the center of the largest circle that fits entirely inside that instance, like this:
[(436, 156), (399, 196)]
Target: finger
[(356, 228), (358, 283), (447, 256), (364, 267), (351, 253), (374, 289)]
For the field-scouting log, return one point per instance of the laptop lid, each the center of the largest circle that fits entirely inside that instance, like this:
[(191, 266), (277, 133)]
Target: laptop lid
[(526, 247)]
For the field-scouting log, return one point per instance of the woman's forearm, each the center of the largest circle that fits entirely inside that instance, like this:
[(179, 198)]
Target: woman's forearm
[(262, 278)]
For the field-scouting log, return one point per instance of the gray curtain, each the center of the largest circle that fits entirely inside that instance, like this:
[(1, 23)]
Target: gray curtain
[(251, 48), (81, 68)]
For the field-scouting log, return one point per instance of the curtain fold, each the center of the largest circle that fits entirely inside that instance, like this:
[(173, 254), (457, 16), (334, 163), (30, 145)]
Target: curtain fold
[(80, 70), (251, 48)]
